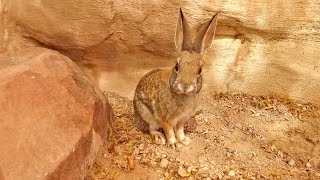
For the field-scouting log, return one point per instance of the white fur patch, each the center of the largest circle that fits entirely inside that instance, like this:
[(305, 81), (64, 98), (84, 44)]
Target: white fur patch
[(180, 134), (190, 89)]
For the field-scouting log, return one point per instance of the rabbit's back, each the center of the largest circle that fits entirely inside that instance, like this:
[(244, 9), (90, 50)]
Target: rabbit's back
[(152, 87), (152, 82)]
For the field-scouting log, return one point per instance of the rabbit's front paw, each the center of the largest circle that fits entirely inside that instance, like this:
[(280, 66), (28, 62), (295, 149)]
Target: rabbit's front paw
[(182, 137), (172, 142), (158, 137), (186, 140)]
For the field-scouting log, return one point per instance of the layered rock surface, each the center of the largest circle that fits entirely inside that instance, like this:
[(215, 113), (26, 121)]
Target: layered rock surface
[(266, 47)]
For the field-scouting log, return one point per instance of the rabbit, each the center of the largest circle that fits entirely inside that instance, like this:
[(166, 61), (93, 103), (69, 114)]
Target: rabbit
[(167, 98)]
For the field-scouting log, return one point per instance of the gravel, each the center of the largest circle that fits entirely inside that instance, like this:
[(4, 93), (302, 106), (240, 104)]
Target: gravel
[(227, 143)]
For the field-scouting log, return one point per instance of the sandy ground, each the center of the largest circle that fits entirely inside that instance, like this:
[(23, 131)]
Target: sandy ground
[(233, 137)]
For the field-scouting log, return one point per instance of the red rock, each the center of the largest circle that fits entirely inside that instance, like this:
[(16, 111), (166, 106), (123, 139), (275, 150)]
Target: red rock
[(52, 119)]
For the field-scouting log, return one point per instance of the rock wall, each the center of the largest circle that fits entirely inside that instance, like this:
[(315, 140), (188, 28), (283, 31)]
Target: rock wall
[(265, 47)]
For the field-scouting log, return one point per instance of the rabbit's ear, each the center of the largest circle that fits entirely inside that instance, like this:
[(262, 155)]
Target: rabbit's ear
[(205, 35), (182, 37)]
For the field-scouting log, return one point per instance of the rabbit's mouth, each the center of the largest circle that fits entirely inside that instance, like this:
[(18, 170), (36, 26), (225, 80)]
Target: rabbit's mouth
[(188, 94), (185, 90)]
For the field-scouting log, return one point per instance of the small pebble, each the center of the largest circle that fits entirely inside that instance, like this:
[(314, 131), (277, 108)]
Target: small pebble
[(163, 156), (141, 147), (189, 169), (164, 163), (231, 173), (183, 173), (239, 126), (194, 170), (204, 170), (144, 161), (280, 154), (153, 163), (273, 148), (135, 152), (291, 162), (202, 159), (130, 162), (308, 165)]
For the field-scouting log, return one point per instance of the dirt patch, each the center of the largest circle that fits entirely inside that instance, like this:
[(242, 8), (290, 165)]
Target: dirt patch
[(233, 137)]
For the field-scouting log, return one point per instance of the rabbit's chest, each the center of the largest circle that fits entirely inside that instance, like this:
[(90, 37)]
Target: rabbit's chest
[(182, 111), (183, 116)]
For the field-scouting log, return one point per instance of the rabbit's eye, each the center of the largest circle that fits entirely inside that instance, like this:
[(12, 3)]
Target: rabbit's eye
[(176, 67), (199, 71)]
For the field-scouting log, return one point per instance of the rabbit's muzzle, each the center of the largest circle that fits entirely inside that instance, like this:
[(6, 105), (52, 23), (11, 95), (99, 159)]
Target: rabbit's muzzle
[(180, 87)]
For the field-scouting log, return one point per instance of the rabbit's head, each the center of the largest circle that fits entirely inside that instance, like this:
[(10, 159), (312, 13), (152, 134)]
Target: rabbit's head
[(186, 77)]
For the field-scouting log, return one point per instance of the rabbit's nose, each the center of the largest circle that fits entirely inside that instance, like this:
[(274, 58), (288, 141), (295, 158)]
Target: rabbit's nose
[(190, 89), (180, 87)]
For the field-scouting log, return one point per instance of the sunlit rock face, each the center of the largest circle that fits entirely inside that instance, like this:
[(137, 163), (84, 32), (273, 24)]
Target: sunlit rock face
[(265, 47), (53, 120)]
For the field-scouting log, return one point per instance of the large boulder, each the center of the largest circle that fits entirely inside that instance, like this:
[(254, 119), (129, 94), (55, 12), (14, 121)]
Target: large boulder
[(52, 118), (265, 47)]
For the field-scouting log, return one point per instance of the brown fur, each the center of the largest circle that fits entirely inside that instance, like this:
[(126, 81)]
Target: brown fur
[(167, 98)]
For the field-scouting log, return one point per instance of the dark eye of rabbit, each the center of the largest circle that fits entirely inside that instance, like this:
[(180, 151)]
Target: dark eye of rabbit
[(176, 67), (199, 71)]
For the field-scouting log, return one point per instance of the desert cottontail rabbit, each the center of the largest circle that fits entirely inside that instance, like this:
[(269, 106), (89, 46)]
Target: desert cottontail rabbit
[(168, 98)]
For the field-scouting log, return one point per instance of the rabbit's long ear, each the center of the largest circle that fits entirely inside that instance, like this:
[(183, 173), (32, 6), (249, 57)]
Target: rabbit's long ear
[(205, 35), (182, 37)]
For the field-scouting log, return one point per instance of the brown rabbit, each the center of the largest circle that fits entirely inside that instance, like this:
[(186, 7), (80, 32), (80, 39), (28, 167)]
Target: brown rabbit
[(167, 98)]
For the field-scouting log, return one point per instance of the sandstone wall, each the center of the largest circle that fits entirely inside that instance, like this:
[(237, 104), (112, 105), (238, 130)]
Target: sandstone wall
[(261, 47)]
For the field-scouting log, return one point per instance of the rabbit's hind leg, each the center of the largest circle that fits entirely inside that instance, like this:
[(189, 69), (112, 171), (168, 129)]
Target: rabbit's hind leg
[(153, 126)]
